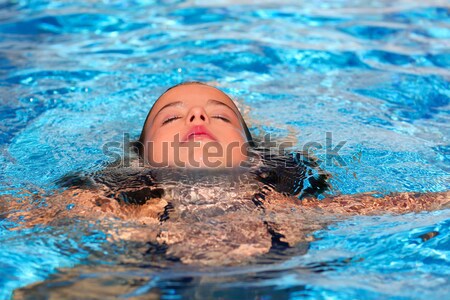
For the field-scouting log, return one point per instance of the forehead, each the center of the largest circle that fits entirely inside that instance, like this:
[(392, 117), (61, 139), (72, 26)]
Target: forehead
[(192, 94)]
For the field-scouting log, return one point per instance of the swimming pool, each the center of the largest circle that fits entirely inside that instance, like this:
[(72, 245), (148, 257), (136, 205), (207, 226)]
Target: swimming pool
[(374, 76)]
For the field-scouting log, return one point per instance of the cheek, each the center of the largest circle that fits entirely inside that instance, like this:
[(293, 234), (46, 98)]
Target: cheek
[(164, 135), (231, 135), (159, 143), (233, 142)]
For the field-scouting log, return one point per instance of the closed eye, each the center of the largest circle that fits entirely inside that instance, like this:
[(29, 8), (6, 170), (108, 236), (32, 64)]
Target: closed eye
[(220, 117), (170, 119)]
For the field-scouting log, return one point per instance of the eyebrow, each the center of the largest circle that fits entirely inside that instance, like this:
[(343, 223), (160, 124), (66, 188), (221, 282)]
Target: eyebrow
[(217, 102), (171, 104)]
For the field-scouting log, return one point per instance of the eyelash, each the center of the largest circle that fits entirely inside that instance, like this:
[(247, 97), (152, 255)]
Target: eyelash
[(170, 119), (222, 118)]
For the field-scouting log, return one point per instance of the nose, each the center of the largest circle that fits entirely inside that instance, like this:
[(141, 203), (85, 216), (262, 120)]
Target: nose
[(197, 115)]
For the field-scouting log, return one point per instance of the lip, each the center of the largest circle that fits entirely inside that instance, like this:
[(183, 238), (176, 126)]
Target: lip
[(199, 133)]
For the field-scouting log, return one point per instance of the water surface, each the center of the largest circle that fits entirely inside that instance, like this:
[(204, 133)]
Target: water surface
[(76, 75)]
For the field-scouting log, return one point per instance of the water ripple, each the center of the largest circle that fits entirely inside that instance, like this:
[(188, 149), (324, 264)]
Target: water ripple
[(75, 75)]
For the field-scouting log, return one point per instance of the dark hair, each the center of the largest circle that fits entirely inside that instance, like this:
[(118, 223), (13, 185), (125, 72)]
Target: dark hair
[(290, 173)]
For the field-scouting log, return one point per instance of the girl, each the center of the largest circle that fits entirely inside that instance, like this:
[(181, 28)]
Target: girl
[(201, 189)]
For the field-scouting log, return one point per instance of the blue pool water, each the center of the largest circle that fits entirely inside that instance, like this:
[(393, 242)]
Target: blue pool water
[(372, 74)]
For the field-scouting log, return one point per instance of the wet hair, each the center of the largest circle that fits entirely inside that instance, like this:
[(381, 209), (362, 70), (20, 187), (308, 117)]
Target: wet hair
[(293, 173), (139, 144)]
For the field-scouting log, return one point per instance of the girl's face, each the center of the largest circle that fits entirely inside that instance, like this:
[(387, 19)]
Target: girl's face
[(194, 125)]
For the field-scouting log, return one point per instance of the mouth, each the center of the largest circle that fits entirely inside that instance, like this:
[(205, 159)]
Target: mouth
[(199, 133)]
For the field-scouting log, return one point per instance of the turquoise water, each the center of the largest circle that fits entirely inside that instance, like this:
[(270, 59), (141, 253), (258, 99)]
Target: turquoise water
[(375, 75)]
